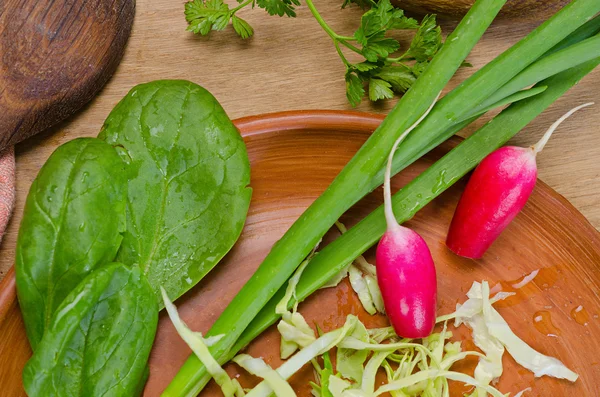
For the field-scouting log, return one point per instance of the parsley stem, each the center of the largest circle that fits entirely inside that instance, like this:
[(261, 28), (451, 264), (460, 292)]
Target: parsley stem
[(321, 21), (244, 4), (340, 53), (350, 46), (337, 39)]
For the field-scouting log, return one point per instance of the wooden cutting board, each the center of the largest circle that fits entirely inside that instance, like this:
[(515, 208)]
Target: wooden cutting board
[(294, 157)]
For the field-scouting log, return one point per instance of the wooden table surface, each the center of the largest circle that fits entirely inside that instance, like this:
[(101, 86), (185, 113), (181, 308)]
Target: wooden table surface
[(291, 64)]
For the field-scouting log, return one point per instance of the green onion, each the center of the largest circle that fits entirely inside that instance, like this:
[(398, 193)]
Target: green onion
[(359, 175), (546, 67)]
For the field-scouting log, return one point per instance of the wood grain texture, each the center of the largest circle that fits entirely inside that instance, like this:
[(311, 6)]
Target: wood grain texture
[(54, 57), (518, 10), (291, 167), (291, 64)]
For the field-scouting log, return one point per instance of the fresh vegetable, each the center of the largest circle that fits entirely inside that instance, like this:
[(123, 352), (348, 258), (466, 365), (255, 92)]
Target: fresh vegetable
[(99, 338), (73, 222), (384, 69), (363, 280), (413, 367), (324, 343), (497, 191), (349, 186), (523, 354), (188, 171), (199, 346), (257, 367), (405, 269), (431, 183), (294, 330), (168, 198), (352, 183), (322, 375), (492, 334)]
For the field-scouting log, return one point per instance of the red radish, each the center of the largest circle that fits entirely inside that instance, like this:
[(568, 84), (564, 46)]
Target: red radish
[(497, 191), (405, 270)]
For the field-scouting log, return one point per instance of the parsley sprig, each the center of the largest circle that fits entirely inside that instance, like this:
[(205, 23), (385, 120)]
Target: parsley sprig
[(384, 71)]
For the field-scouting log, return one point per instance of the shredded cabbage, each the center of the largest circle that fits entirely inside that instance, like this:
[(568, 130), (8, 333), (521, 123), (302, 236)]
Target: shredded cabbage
[(413, 367), (199, 346), (523, 354), (337, 386), (434, 374), (335, 280), (350, 362), (359, 285), (363, 279), (324, 343), (258, 367), (489, 368), (295, 331)]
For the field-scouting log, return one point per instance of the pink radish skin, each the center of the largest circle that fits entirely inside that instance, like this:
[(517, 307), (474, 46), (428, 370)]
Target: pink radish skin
[(405, 269), (407, 280), (497, 191)]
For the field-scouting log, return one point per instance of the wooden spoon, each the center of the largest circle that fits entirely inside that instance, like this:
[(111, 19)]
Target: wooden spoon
[(54, 57)]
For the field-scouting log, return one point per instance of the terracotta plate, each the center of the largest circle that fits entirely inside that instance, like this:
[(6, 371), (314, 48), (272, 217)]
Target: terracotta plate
[(294, 157)]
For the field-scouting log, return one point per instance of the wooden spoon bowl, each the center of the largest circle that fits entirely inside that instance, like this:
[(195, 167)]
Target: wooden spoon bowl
[(54, 57)]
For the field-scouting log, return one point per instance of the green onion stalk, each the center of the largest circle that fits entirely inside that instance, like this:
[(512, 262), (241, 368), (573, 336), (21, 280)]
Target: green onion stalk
[(359, 176)]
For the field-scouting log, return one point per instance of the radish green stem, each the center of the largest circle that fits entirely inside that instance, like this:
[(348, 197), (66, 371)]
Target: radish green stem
[(538, 147), (387, 190)]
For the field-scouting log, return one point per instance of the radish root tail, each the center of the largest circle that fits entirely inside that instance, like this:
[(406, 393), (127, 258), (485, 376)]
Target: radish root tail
[(387, 191), (538, 147)]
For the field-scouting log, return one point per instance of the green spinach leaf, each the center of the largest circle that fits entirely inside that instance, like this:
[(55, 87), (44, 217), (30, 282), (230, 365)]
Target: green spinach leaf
[(188, 173), (72, 223), (99, 339)]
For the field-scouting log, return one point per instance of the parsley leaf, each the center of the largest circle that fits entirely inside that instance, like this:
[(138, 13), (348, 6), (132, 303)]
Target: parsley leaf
[(279, 7), (419, 67), (401, 22), (241, 27), (364, 4), (379, 89), (354, 88), (365, 66), (204, 16), (399, 77), (381, 70), (379, 46), (427, 40)]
